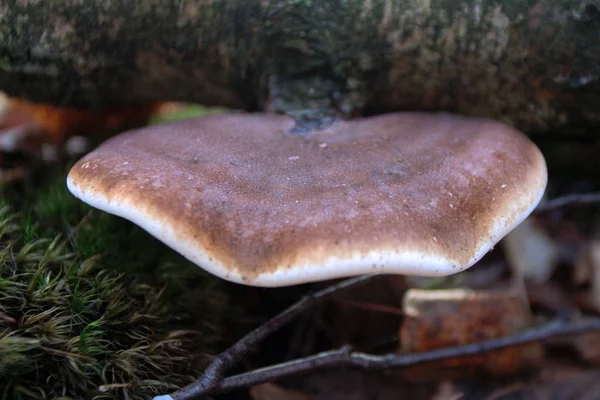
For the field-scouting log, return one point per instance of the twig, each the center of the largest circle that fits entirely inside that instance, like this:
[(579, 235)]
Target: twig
[(569, 200), (213, 375), (344, 357)]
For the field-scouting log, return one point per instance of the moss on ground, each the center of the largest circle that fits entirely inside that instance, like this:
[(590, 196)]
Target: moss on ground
[(92, 307)]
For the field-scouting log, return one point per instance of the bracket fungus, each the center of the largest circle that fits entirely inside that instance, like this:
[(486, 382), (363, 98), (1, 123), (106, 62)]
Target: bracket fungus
[(247, 199)]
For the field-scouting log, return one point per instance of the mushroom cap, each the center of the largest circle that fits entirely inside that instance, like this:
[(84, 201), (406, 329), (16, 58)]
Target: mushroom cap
[(248, 200)]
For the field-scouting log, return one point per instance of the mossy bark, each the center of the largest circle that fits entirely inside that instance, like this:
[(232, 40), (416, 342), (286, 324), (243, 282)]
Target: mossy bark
[(535, 64)]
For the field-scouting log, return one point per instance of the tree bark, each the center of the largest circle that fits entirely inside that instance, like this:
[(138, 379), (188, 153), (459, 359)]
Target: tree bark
[(534, 64)]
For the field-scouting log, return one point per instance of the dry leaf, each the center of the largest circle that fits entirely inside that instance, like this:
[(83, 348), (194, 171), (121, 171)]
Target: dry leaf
[(447, 318), (587, 346), (56, 124), (531, 252), (588, 266), (582, 386)]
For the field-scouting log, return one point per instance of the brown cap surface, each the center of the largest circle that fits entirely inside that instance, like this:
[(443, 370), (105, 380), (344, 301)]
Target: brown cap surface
[(245, 199)]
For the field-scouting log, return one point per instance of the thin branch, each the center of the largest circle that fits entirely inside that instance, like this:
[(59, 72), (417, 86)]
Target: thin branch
[(213, 375), (569, 200), (344, 357)]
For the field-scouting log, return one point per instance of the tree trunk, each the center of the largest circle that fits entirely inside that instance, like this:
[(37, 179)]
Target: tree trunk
[(534, 64)]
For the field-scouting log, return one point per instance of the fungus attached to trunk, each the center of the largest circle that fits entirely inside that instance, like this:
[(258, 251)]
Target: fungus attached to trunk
[(249, 200)]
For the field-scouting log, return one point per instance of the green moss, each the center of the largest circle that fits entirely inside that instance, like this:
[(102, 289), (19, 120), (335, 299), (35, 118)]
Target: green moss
[(92, 307), (191, 110)]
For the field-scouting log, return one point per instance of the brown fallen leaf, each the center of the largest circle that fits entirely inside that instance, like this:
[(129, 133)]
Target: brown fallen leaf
[(24, 120), (11, 116), (271, 391), (587, 346), (444, 318), (582, 386)]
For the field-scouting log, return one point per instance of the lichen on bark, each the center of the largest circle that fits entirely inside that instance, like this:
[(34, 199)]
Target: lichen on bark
[(532, 64)]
